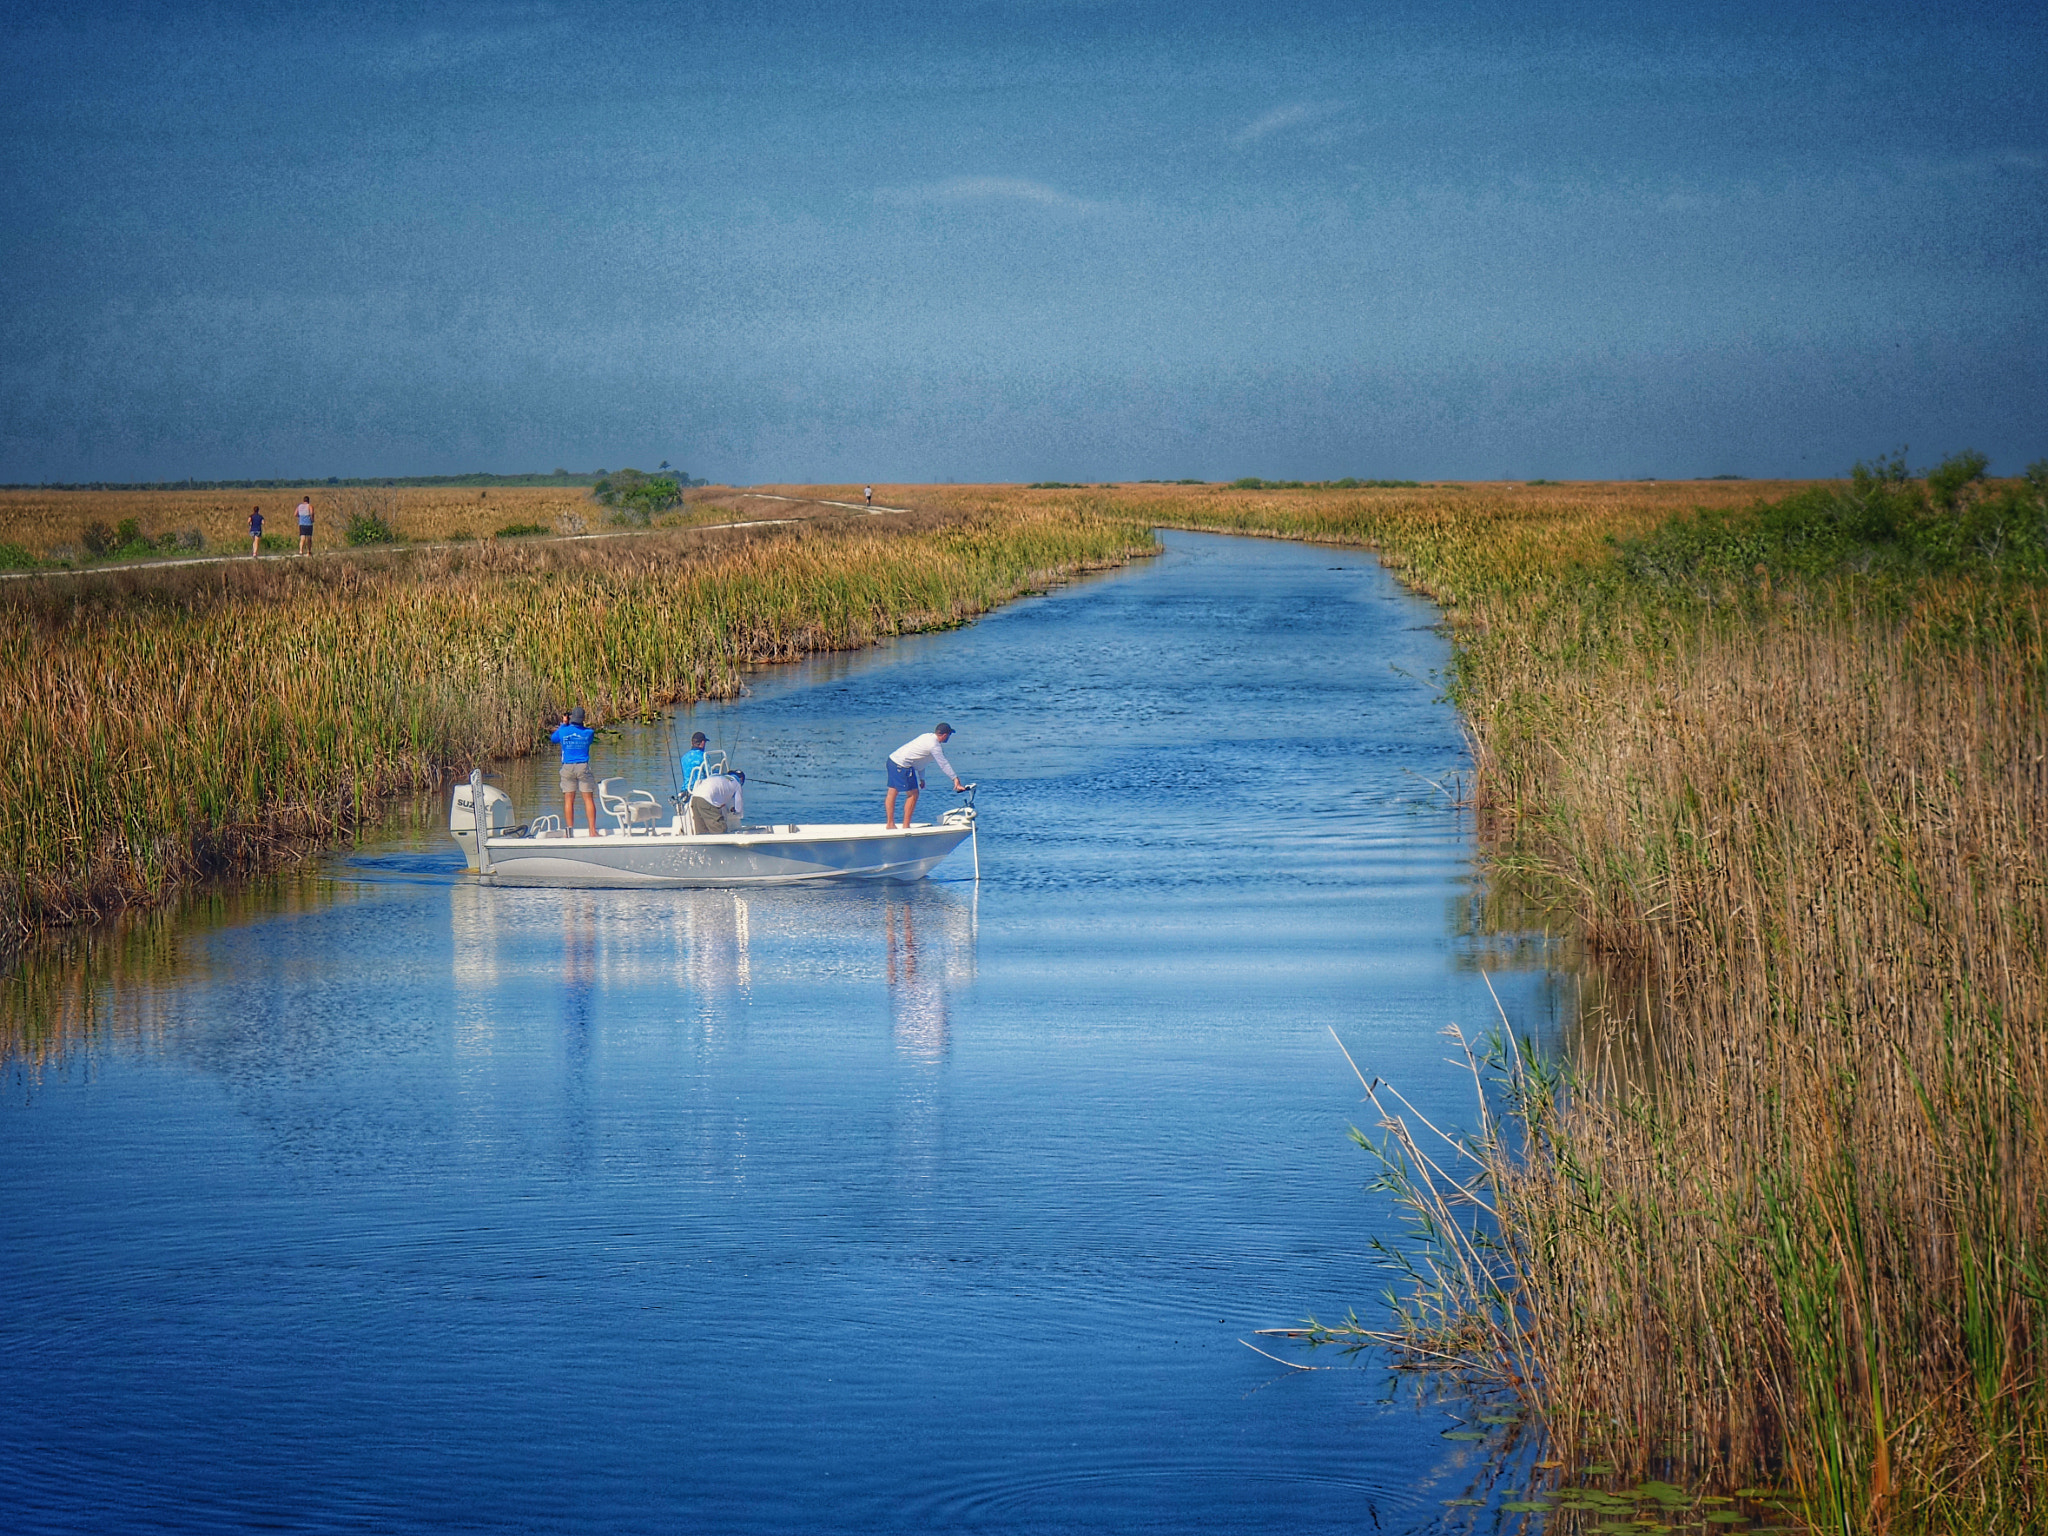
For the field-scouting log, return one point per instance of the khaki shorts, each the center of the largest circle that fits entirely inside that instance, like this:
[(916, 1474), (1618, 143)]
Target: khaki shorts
[(705, 817), (577, 776)]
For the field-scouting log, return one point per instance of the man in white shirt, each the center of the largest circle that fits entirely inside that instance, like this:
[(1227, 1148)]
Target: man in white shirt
[(903, 766), (713, 798)]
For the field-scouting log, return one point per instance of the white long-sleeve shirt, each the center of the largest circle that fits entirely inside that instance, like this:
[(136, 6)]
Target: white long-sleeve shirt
[(723, 791), (925, 749)]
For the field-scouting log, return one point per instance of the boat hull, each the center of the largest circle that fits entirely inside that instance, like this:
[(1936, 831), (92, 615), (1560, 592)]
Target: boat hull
[(812, 855)]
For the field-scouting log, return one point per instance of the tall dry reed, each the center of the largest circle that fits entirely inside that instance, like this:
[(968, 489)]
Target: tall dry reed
[(1800, 1222)]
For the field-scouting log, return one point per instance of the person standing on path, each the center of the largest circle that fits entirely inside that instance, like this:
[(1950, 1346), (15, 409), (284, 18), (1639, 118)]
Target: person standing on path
[(305, 525), (255, 532), (718, 804), (574, 738), (902, 768), (867, 494)]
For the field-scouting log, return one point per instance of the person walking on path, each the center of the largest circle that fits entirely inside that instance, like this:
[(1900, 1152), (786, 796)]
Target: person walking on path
[(575, 738), (867, 494), (718, 803), (903, 772), (255, 532), (305, 525)]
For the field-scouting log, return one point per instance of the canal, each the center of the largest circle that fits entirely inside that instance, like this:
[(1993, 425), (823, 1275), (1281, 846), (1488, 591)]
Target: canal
[(366, 1199)]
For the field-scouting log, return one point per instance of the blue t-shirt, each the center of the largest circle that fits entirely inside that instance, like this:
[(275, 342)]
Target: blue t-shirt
[(693, 767), (575, 740)]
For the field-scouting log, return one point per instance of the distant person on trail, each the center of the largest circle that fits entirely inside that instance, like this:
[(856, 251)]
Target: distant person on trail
[(693, 762), (903, 771), (575, 738), (255, 531), (718, 803), (306, 525), (867, 494)]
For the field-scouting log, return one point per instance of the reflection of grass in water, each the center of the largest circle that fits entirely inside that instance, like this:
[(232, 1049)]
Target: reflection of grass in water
[(1786, 772), (79, 988), (161, 725)]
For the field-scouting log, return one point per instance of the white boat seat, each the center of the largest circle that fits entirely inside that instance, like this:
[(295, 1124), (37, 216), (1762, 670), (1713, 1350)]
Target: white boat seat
[(636, 808)]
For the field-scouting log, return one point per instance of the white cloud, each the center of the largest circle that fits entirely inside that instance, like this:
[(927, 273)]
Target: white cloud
[(519, 31), (1295, 115), (986, 189)]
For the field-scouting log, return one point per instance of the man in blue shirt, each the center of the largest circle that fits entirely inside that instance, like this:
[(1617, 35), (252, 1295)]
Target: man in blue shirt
[(575, 738), (693, 762)]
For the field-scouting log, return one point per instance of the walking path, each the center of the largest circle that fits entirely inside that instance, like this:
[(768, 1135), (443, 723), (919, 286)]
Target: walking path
[(371, 549)]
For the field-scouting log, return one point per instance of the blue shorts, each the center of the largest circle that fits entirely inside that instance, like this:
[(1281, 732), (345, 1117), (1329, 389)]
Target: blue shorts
[(901, 777)]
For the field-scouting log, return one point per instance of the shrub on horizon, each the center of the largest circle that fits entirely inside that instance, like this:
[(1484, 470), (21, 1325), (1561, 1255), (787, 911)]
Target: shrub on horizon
[(638, 496)]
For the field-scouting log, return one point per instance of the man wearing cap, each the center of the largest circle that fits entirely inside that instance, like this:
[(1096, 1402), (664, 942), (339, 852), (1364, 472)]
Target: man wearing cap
[(718, 803), (903, 770), (575, 738), (693, 762)]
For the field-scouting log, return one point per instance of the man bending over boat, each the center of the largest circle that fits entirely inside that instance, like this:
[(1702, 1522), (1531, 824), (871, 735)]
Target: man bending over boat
[(575, 738), (718, 803), (904, 767)]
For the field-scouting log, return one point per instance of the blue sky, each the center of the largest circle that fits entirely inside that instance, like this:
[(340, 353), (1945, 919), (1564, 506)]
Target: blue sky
[(1021, 240)]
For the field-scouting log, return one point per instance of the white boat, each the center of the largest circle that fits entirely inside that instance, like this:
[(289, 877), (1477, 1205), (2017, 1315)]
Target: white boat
[(642, 851)]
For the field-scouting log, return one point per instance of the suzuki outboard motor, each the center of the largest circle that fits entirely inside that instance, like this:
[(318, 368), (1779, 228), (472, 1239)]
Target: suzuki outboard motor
[(462, 816)]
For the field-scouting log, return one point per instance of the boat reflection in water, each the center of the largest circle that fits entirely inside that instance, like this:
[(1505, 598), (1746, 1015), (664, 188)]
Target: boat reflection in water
[(718, 951), (922, 963)]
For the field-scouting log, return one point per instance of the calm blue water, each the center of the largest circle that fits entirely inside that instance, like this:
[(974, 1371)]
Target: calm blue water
[(378, 1201)]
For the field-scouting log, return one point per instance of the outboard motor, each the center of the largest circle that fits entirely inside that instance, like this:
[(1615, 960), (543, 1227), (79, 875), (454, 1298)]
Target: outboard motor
[(462, 816)]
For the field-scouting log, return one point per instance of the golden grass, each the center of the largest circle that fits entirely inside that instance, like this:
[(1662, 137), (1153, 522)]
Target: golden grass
[(1807, 1229), (47, 523)]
